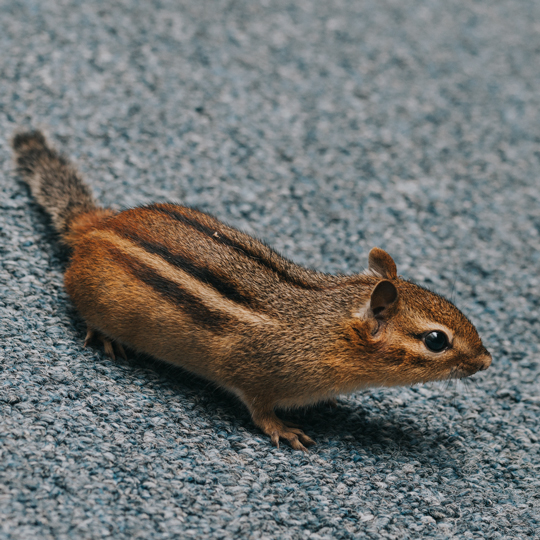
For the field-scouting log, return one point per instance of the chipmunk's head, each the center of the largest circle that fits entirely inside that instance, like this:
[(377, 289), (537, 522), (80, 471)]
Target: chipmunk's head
[(412, 334)]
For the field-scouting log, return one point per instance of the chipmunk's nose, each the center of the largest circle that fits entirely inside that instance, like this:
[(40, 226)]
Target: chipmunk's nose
[(485, 361)]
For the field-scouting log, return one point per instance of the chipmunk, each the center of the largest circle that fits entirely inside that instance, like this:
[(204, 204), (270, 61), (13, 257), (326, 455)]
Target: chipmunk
[(178, 284)]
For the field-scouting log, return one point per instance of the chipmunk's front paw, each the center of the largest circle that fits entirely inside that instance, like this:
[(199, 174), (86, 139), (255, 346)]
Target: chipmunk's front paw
[(294, 436), (108, 346), (278, 429)]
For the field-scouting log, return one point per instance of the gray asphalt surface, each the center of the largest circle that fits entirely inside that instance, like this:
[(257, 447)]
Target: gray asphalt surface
[(324, 128)]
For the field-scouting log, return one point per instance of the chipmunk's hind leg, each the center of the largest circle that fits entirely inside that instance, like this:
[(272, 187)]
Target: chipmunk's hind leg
[(108, 346), (267, 420)]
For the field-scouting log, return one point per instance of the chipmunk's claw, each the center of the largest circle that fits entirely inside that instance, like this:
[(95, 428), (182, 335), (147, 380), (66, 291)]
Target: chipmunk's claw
[(89, 336), (108, 346), (278, 429), (121, 351), (297, 439)]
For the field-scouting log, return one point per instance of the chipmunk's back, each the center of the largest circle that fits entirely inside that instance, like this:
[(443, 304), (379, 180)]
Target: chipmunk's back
[(178, 284), (236, 266)]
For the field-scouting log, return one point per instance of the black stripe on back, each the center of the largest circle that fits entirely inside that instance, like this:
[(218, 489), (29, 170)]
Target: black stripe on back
[(206, 317), (220, 284), (221, 238)]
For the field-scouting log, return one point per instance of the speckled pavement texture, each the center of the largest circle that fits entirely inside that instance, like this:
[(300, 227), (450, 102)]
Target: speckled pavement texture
[(324, 128)]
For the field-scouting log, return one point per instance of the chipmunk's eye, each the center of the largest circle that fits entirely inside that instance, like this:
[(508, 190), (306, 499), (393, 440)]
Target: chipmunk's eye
[(436, 341)]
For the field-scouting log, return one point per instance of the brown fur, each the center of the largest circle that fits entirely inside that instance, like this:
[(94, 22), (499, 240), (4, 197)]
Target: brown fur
[(180, 285)]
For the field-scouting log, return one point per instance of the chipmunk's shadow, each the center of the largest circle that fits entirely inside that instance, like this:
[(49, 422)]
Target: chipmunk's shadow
[(347, 425), (383, 435), (44, 234), (354, 426)]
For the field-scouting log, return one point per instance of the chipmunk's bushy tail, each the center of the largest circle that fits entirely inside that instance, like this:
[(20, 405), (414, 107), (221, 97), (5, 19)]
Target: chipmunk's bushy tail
[(56, 186)]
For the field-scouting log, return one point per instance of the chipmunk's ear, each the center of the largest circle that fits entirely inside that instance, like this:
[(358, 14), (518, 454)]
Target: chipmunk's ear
[(381, 264), (381, 306), (383, 299)]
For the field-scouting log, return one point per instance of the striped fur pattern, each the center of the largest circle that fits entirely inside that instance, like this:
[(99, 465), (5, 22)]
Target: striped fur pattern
[(180, 285)]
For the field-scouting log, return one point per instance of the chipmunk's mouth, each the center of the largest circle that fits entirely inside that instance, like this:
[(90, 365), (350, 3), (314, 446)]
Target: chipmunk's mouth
[(460, 372)]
